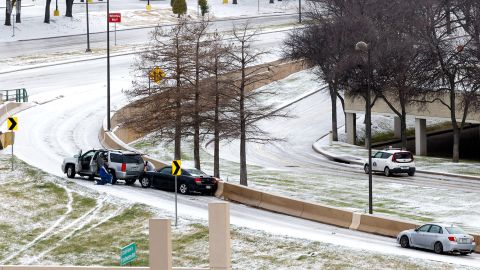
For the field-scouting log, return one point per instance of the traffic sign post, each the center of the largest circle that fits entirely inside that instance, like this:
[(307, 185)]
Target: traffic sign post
[(157, 75), (128, 254), (12, 124), (176, 170), (115, 18)]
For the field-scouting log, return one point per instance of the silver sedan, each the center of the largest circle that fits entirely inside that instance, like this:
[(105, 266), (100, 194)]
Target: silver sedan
[(439, 238)]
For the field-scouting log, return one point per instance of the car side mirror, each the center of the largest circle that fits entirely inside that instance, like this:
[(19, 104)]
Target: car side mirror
[(416, 229)]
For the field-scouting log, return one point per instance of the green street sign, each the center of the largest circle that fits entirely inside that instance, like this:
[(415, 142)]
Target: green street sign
[(129, 254)]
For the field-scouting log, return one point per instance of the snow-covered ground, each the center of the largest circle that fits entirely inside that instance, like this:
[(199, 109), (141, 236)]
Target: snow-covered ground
[(134, 14), (292, 168)]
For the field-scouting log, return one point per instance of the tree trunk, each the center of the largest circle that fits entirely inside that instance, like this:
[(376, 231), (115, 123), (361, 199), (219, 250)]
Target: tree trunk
[(47, 11), (234, 2), (456, 143), (69, 9), (216, 151), (196, 117), (403, 129), (333, 98), (8, 12), (243, 130), (18, 18)]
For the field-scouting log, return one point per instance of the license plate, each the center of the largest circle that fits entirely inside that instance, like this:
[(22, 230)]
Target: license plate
[(208, 187), (405, 168), (463, 240)]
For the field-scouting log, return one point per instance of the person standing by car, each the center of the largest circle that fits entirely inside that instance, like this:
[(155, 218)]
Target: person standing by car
[(148, 166), (100, 161)]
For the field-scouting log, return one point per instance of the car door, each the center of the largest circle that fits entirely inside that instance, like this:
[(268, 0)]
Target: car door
[(434, 234), (383, 161), (375, 160), (419, 235), (93, 163), (163, 178), (85, 160)]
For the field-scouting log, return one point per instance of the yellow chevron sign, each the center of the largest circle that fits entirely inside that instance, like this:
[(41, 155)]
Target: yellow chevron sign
[(177, 167), (12, 123)]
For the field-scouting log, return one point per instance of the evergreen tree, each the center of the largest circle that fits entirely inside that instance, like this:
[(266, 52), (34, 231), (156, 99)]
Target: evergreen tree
[(203, 6), (179, 7)]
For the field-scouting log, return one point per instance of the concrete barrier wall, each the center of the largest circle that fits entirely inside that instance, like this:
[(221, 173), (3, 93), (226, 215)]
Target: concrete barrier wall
[(329, 215), (384, 225)]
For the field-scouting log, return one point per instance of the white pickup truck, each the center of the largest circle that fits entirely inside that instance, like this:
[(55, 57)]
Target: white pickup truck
[(123, 165)]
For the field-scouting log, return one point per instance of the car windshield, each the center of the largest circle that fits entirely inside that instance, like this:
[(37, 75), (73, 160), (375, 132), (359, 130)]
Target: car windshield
[(195, 172), (403, 155), (454, 230)]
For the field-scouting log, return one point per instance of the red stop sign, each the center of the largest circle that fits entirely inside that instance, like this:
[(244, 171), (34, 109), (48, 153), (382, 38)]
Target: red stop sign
[(115, 17)]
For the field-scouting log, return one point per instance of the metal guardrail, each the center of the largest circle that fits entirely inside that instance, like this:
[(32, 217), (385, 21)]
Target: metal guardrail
[(17, 95)]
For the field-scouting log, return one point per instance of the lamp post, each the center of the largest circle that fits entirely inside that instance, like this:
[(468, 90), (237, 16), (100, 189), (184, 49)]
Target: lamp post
[(364, 47), (88, 29), (108, 66)]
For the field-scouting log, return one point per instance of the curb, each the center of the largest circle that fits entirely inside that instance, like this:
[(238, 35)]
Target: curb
[(349, 161)]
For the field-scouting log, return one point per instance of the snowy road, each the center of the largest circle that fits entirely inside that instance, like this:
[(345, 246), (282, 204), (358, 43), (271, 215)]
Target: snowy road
[(132, 36), (49, 132)]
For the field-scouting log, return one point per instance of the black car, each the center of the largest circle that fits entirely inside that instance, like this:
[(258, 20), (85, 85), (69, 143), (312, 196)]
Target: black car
[(191, 181)]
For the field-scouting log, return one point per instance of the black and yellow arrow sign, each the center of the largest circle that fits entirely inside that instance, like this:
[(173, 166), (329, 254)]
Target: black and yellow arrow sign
[(12, 123), (177, 167), (157, 74)]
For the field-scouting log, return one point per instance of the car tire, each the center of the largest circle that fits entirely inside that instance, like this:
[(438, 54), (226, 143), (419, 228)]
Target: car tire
[(404, 242), (366, 168), (183, 188), (114, 176), (91, 177), (411, 173), (387, 172), (130, 182), (71, 171), (438, 248), (464, 253), (145, 182)]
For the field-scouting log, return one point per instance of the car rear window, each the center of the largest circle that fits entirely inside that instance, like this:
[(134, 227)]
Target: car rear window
[(454, 230), (136, 159), (116, 158), (195, 172), (403, 155)]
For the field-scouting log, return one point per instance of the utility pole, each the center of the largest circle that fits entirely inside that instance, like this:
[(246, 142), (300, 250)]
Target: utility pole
[(108, 66), (300, 11)]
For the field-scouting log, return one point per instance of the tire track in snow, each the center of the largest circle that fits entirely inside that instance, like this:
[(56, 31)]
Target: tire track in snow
[(46, 232), (90, 214)]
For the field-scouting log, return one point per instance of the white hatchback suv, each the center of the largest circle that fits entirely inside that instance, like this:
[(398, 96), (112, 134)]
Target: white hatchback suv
[(390, 161)]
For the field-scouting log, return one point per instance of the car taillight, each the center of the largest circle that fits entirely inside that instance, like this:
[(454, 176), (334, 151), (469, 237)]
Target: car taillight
[(452, 238), (124, 167), (394, 158), (198, 180)]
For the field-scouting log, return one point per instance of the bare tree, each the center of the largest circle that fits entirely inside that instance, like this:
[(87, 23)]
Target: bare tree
[(160, 108), (248, 110), (8, 12), (69, 8), (18, 15), (47, 11)]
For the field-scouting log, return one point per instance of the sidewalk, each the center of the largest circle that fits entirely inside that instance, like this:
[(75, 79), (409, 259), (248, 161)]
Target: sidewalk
[(353, 154)]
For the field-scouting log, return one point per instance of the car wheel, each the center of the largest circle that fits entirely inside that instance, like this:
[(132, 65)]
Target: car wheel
[(70, 171), (386, 171), (91, 177), (404, 242), (366, 169), (438, 248), (183, 188), (145, 182), (464, 253), (114, 176), (411, 173), (130, 182)]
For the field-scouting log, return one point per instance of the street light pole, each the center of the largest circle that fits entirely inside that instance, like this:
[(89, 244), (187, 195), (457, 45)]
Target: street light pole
[(88, 29), (108, 67), (364, 47), (300, 11)]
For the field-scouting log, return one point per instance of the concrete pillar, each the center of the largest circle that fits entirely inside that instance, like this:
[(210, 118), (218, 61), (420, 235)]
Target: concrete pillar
[(351, 124), (397, 127), (160, 242), (219, 236), (420, 137)]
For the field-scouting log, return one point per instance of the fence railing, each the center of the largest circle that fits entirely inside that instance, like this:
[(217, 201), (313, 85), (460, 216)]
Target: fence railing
[(17, 95)]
